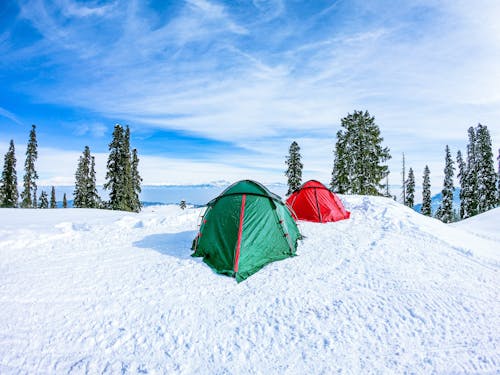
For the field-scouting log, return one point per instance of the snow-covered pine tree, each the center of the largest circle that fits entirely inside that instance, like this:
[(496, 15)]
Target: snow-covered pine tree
[(85, 194), (410, 189), (470, 187), (403, 187), (114, 174), (182, 205), (498, 190), (128, 184), (340, 173), (44, 200), (136, 181), (81, 175), (486, 175), (462, 177), (359, 156), (121, 180), (8, 183), (294, 170), (65, 201), (29, 193), (35, 197), (53, 198), (93, 199), (445, 210), (426, 193)]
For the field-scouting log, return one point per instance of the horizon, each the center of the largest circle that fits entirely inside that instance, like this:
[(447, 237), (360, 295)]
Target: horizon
[(217, 90)]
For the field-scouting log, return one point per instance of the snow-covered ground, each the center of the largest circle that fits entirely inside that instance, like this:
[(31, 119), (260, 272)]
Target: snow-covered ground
[(387, 291)]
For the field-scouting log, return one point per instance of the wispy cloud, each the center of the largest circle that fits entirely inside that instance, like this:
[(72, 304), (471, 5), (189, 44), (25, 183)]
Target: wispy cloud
[(260, 73), (10, 116)]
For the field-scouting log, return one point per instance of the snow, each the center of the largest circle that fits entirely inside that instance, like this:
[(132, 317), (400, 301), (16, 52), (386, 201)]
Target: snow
[(387, 291), (485, 225)]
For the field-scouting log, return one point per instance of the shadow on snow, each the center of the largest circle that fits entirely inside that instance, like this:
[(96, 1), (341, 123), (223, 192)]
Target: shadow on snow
[(174, 244)]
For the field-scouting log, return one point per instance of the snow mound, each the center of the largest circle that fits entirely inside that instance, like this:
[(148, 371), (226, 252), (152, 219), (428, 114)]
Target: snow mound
[(485, 225), (387, 291)]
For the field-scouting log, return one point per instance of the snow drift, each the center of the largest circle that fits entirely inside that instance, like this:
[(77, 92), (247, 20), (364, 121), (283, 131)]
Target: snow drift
[(388, 291)]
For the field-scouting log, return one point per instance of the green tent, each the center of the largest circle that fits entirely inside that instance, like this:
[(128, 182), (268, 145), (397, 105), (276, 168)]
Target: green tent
[(245, 228)]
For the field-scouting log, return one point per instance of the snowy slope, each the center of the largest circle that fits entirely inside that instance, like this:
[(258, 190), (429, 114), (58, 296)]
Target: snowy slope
[(485, 225), (387, 291)]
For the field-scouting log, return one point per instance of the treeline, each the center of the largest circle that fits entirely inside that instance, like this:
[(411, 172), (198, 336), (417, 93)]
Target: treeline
[(359, 168), (122, 178)]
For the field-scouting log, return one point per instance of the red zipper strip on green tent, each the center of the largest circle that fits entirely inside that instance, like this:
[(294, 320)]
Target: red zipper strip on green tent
[(240, 232)]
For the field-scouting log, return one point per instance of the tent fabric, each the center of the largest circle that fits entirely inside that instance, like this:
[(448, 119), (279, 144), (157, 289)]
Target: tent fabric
[(315, 202), (245, 228)]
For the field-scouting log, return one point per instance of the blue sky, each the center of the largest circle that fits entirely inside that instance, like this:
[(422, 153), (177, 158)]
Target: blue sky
[(217, 90)]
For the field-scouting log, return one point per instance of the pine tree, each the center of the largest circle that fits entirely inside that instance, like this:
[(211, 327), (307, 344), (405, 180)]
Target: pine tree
[(85, 194), (403, 190), (182, 205), (29, 194), (462, 177), (445, 210), (35, 199), (44, 201), (122, 177), (114, 181), (486, 175), (53, 198), (8, 183), (498, 190), (128, 184), (65, 201), (410, 189), (470, 197), (359, 156), (340, 175), (136, 181), (426, 193), (294, 170)]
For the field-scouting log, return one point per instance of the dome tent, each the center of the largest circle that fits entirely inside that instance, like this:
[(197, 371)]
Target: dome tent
[(315, 202), (245, 228)]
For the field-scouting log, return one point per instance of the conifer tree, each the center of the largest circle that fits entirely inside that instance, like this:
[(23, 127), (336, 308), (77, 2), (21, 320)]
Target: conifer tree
[(8, 182), (122, 177), (44, 201), (387, 192), (136, 181), (294, 170), (53, 198), (114, 180), (65, 201), (470, 196), (403, 188), (359, 157), (445, 210), (486, 175), (426, 193), (35, 197), (128, 184), (410, 189), (462, 177), (29, 193), (85, 194), (498, 190)]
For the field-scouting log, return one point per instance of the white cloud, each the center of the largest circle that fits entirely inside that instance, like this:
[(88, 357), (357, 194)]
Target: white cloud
[(424, 85)]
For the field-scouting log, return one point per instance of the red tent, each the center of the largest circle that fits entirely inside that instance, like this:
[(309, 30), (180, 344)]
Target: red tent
[(314, 202)]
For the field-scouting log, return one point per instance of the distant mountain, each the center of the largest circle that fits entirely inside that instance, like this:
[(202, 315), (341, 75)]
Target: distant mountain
[(438, 198)]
